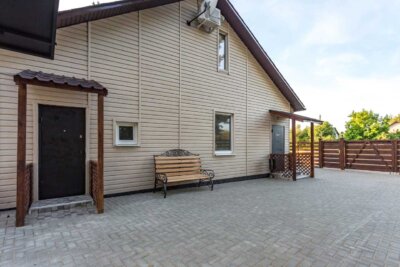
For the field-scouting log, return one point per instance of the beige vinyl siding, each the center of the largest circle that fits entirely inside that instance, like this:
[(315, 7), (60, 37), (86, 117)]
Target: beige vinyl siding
[(158, 72), (262, 96), (205, 90), (114, 63), (70, 59)]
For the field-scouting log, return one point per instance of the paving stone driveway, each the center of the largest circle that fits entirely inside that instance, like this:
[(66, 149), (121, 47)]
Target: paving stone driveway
[(340, 218)]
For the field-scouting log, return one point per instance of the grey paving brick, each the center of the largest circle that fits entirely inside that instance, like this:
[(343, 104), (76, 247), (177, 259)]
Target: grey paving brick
[(338, 219)]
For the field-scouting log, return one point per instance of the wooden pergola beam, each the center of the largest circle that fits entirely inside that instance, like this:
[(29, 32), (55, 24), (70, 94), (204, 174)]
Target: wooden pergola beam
[(21, 155), (312, 172), (293, 116), (100, 154), (294, 143)]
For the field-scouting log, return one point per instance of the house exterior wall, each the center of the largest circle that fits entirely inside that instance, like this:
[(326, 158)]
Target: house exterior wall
[(394, 128), (159, 72)]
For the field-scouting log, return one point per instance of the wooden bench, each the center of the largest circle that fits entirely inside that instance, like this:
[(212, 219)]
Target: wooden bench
[(180, 166)]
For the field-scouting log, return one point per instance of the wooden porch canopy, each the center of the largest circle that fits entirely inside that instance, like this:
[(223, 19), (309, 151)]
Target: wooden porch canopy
[(294, 118), (28, 77)]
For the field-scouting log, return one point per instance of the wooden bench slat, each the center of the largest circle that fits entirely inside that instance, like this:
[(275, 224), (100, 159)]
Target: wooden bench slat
[(187, 178), (164, 162), (159, 158), (184, 165), (188, 173), (166, 170)]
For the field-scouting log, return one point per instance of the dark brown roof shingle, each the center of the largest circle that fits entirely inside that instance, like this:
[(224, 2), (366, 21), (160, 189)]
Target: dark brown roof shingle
[(29, 76), (91, 13)]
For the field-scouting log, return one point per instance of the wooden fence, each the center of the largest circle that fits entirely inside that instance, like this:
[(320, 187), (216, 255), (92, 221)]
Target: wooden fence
[(360, 155), (305, 147)]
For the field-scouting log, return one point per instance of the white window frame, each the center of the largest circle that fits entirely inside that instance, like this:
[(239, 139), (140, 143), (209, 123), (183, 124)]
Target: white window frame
[(226, 70), (126, 143), (226, 152)]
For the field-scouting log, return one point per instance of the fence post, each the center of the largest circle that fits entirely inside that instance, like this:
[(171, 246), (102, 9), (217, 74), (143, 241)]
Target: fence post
[(395, 155), (321, 153), (342, 156), (312, 173)]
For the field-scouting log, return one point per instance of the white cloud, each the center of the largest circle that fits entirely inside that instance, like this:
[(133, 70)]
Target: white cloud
[(341, 63), (328, 30), (70, 4)]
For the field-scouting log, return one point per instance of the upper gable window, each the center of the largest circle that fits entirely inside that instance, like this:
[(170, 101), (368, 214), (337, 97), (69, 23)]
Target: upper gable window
[(222, 52)]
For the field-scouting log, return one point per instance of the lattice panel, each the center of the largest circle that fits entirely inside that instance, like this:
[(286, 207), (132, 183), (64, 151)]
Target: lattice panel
[(28, 186), (93, 180), (282, 164), (303, 164)]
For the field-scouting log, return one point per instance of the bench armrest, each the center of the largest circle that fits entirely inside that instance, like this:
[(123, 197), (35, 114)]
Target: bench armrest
[(209, 173), (162, 177)]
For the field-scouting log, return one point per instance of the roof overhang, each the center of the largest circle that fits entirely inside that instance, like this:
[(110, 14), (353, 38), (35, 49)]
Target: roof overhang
[(293, 116), (102, 11), (59, 81), (29, 26)]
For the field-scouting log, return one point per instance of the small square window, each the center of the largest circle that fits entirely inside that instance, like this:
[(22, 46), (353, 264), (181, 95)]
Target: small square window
[(126, 133)]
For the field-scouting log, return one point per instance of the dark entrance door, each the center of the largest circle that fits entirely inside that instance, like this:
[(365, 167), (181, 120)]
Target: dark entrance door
[(278, 139), (61, 151)]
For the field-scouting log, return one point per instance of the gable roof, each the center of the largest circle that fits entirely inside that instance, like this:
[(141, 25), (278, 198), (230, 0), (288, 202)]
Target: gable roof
[(91, 13)]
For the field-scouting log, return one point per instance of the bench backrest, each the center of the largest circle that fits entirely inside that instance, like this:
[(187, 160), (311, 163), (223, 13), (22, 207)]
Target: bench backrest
[(176, 165)]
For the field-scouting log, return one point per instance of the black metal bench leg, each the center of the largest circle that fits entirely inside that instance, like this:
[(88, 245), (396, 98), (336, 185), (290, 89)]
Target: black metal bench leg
[(155, 185), (199, 184), (212, 185), (165, 189)]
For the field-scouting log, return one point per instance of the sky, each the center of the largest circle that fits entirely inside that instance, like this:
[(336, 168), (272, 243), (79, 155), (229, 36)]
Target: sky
[(338, 55)]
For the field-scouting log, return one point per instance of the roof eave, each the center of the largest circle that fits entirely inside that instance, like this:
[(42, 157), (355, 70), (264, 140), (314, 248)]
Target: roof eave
[(91, 13)]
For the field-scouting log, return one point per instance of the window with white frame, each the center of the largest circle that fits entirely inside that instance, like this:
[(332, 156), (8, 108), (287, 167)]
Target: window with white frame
[(126, 133), (222, 51), (223, 133)]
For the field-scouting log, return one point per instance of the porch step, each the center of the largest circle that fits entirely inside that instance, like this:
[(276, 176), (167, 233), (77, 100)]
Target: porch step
[(60, 203)]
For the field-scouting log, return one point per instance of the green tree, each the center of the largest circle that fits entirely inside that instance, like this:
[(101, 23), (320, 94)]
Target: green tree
[(325, 131), (302, 135), (397, 134), (367, 125)]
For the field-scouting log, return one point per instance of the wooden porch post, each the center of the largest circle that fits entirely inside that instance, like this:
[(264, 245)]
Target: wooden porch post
[(21, 156), (342, 155), (395, 155), (321, 153), (100, 154), (294, 144), (312, 173)]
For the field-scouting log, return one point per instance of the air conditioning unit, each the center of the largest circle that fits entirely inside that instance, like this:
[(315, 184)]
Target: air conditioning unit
[(209, 17)]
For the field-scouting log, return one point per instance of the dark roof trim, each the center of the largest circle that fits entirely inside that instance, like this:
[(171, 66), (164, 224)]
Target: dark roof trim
[(59, 81), (91, 13), (293, 116), (102, 11), (259, 53)]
